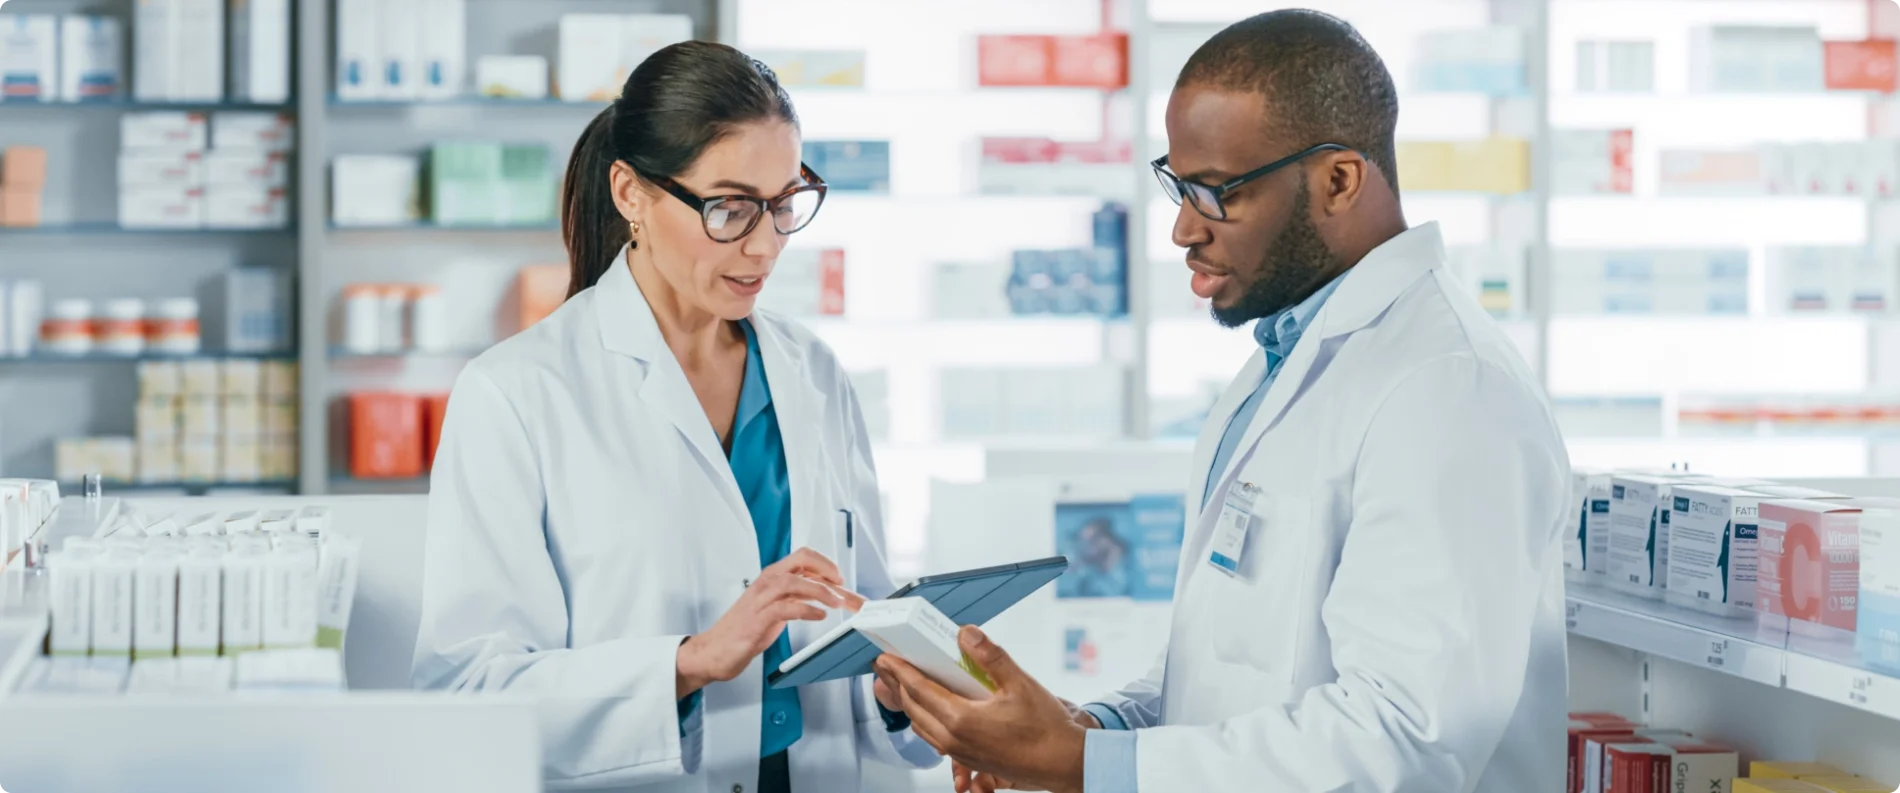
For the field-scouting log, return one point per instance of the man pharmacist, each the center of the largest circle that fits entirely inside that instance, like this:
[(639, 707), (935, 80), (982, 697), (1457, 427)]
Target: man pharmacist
[(1370, 595)]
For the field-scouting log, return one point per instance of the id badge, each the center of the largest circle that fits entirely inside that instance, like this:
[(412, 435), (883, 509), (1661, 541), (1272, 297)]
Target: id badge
[(1229, 545)]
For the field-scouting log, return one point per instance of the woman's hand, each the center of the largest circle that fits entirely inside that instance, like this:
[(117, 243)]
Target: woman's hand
[(785, 592)]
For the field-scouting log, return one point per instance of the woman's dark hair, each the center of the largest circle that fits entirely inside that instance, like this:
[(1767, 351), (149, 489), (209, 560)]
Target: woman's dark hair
[(679, 101)]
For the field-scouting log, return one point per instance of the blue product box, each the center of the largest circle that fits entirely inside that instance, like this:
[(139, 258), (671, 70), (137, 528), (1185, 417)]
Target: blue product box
[(851, 165), (1728, 303), (1030, 282), (1632, 268), (1877, 634), (1628, 304), (1069, 276), (1497, 78), (1728, 266)]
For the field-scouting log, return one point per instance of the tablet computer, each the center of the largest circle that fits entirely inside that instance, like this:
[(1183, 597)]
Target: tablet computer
[(971, 597)]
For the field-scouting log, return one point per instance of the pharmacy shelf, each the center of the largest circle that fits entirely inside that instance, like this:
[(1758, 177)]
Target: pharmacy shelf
[(1825, 669), (464, 101), (110, 227), (189, 488), (1730, 646), (343, 356), (352, 486), (431, 226), (135, 105), (53, 358)]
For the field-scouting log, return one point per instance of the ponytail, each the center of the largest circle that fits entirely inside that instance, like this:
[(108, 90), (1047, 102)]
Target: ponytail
[(679, 101), (590, 222)]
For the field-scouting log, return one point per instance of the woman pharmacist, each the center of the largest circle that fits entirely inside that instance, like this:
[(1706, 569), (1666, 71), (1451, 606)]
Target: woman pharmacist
[(619, 488)]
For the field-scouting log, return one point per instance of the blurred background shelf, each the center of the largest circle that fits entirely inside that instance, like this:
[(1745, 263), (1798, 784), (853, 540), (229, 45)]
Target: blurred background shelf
[(135, 105), (112, 228), (96, 358)]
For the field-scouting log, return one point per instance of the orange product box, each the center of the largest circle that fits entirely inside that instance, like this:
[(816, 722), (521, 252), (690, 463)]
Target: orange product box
[(1809, 564), (23, 166), (385, 435), (436, 407), (1860, 65), (19, 206), (539, 290), (1014, 60), (1099, 61)]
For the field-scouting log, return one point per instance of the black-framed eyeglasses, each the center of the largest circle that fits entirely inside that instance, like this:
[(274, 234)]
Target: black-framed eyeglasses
[(1207, 198), (728, 218)]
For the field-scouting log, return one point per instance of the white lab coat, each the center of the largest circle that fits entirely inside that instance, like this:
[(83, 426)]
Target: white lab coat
[(583, 520), (1397, 623)]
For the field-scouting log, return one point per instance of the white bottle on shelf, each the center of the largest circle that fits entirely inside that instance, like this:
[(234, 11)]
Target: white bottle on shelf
[(68, 328), (121, 327), (392, 318), (362, 319), (173, 328), (429, 318)]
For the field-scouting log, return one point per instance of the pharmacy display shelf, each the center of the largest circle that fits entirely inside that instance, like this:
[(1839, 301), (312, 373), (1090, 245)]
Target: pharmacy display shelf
[(1731, 646), (465, 101), (1820, 668), (343, 356), (189, 488), (101, 358), (448, 228), (352, 486), (111, 227), (140, 106)]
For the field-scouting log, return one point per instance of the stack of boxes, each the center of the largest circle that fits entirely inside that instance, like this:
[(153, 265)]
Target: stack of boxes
[(1086, 281), (401, 51), (22, 180), (1755, 59), (208, 420), (1610, 754), (1040, 166), (1480, 60), (1841, 280), (371, 190), (178, 50), (1097, 61), (1687, 282), (491, 184), (1773, 777), (393, 435), (167, 179), (1497, 165), (598, 51), (1593, 161)]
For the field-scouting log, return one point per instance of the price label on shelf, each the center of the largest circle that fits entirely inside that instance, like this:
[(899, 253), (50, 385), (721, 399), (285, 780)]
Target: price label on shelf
[(1571, 609), (1861, 690), (1717, 657)]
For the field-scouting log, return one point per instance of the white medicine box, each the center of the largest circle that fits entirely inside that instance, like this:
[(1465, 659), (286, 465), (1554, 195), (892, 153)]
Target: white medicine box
[(29, 57)]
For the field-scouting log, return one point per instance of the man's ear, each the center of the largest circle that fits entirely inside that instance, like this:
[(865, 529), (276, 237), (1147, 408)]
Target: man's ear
[(1343, 179)]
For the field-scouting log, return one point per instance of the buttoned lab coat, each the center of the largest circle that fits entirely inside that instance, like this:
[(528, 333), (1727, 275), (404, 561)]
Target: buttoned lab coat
[(1397, 621), (583, 520)]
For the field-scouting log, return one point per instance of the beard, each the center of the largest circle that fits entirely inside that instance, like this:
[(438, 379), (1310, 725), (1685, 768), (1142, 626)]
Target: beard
[(1291, 267)]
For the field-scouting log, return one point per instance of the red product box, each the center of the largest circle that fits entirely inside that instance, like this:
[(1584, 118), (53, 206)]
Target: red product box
[(1014, 151), (1809, 566), (1622, 161), (1602, 719), (1014, 60), (1860, 65), (1580, 733), (436, 407), (1096, 151), (1595, 759), (385, 435), (1099, 61), (831, 282), (1638, 768)]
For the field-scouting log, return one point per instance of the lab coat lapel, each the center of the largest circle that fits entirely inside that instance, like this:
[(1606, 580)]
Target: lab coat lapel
[(799, 405), (627, 327), (1216, 424)]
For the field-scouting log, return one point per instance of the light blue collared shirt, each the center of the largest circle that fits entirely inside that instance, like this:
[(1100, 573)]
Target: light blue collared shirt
[(1108, 756)]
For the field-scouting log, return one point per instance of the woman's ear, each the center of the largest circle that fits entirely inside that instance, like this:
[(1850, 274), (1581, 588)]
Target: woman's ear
[(629, 194)]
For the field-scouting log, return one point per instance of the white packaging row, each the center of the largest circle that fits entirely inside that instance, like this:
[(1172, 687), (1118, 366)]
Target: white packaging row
[(214, 377), (401, 50), (71, 58), (1831, 279), (227, 458), (178, 50), (226, 206), (221, 131), (255, 168)]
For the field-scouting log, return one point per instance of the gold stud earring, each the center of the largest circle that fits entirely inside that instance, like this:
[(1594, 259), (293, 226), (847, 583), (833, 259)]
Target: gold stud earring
[(633, 227)]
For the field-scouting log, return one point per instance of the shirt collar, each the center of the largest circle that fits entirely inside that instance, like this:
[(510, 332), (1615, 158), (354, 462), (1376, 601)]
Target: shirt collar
[(755, 395), (1280, 331)]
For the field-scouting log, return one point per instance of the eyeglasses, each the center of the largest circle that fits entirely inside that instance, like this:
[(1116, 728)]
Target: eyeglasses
[(1207, 198), (728, 218)]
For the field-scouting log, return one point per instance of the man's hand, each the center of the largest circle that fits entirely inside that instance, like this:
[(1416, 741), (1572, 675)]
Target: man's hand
[(1022, 737)]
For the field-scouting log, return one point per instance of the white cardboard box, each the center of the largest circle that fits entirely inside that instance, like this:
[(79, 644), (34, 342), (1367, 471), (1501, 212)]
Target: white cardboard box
[(358, 60), (166, 130), (198, 57), (375, 190), (914, 630), (1635, 517), (260, 51), (161, 168), (162, 207), (590, 65), (445, 49), (29, 57), (1713, 546), (230, 206), (399, 44), (247, 167), (512, 76), (271, 132), (91, 66)]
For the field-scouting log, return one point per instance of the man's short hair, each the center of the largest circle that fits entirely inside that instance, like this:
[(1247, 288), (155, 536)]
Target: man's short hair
[(1322, 82)]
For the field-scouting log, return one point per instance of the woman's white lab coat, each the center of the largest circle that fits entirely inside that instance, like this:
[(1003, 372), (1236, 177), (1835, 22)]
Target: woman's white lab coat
[(583, 521)]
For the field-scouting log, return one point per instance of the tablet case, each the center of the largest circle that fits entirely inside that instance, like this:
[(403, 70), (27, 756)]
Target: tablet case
[(971, 597)]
